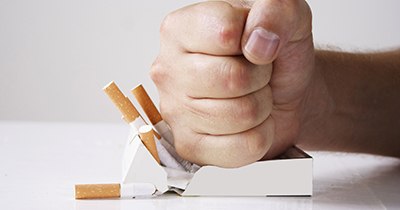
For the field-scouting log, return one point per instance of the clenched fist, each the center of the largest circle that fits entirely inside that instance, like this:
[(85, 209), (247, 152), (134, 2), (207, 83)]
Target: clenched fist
[(233, 77)]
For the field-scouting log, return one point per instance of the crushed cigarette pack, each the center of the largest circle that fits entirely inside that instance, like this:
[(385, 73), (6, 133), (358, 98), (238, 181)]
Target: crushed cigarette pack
[(288, 175)]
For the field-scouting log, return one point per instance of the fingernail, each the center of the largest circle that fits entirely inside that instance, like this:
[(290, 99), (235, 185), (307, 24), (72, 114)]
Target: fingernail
[(262, 44)]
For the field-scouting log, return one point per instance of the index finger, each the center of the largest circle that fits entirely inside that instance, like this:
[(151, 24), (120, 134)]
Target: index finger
[(213, 28)]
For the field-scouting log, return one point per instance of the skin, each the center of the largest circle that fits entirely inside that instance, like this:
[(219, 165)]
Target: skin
[(230, 101), (355, 103)]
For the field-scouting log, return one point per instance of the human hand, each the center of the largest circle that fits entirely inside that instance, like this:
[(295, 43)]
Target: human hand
[(233, 77)]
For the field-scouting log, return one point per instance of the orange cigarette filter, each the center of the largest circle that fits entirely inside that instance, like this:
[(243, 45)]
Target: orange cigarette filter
[(122, 102), (147, 104), (146, 134), (92, 191)]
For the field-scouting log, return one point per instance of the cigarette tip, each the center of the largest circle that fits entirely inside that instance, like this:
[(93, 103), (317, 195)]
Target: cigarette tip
[(108, 85), (137, 86)]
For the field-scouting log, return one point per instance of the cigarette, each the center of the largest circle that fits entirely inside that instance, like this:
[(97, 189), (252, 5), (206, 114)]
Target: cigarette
[(125, 106), (152, 113), (160, 125), (131, 115), (115, 190), (133, 118), (147, 135), (147, 104), (165, 158)]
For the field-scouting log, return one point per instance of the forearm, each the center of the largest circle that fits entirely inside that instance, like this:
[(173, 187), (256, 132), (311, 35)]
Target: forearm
[(354, 104)]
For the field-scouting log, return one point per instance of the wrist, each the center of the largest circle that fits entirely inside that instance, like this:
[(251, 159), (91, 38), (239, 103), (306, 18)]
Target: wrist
[(317, 108)]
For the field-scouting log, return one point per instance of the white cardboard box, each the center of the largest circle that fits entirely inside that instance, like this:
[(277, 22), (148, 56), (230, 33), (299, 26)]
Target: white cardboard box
[(289, 175)]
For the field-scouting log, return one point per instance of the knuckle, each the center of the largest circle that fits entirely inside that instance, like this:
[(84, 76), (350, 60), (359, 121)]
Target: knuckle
[(235, 76), (157, 72), (229, 26), (167, 23), (229, 35), (248, 110), (288, 6)]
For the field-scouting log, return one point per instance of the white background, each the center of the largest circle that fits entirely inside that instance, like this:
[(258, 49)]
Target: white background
[(56, 55)]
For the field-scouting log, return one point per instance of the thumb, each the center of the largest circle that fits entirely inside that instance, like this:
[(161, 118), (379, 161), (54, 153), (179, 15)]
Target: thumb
[(270, 25)]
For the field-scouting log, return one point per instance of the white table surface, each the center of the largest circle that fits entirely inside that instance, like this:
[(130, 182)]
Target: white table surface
[(41, 162)]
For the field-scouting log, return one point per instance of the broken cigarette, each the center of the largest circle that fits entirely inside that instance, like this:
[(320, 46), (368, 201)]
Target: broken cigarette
[(152, 113), (131, 116), (123, 103), (147, 104), (99, 191), (160, 125), (164, 156), (147, 135), (128, 110)]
